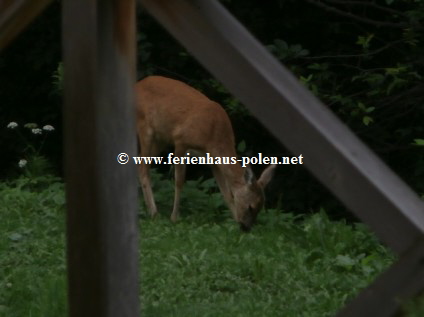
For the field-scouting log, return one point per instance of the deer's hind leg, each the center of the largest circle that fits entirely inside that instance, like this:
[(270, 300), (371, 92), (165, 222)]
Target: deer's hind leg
[(147, 148)]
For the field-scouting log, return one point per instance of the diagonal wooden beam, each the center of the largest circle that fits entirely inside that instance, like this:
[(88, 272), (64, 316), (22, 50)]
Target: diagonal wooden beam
[(15, 15), (400, 282), (298, 119)]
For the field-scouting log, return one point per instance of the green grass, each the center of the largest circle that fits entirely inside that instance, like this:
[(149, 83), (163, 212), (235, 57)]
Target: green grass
[(284, 267), (32, 265), (202, 266)]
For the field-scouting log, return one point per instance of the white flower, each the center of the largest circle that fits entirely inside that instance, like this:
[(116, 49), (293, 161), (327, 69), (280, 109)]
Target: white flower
[(48, 127), (37, 131), (22, 163), (12, 125)]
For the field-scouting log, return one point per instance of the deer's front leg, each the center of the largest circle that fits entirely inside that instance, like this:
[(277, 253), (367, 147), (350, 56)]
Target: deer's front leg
[(180, 170), (224, 188)]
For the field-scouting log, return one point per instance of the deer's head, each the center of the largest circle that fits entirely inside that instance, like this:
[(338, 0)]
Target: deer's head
[(249, 199)]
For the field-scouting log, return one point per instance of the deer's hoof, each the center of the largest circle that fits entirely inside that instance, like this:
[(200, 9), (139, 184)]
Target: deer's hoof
[(174, 218)]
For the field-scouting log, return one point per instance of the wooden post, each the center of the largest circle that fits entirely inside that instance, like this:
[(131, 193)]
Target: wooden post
[(99, 61)]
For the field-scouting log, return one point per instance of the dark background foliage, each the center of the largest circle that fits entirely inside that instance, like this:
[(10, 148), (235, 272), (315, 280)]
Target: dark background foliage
[(363, 59)]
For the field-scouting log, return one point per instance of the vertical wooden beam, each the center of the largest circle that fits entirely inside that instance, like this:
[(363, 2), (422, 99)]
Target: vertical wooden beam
[(99, 59)]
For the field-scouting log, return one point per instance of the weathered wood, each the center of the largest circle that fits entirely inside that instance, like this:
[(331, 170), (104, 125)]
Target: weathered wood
[(15, 15), (99, 60), (330, 150), (401, 282)]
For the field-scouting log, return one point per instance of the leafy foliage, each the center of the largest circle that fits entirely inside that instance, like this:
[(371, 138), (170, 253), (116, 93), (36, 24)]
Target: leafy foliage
[(32, 140), (27, 92)]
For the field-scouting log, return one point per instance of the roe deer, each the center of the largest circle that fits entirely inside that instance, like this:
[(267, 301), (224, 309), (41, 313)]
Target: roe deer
[(170, 112)]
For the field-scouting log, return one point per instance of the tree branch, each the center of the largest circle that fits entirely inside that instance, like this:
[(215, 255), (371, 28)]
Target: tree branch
[(379, 50), (356, 17), (369, 4)]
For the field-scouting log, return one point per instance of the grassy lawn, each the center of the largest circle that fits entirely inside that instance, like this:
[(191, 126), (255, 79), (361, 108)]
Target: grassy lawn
[(202, 266), (32, 255)]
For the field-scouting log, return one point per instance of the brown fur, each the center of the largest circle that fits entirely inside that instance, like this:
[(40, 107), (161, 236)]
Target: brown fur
[(170, 112)]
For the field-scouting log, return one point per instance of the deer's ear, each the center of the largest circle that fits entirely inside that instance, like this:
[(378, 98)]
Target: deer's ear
[(249, 177), (267, 175)]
